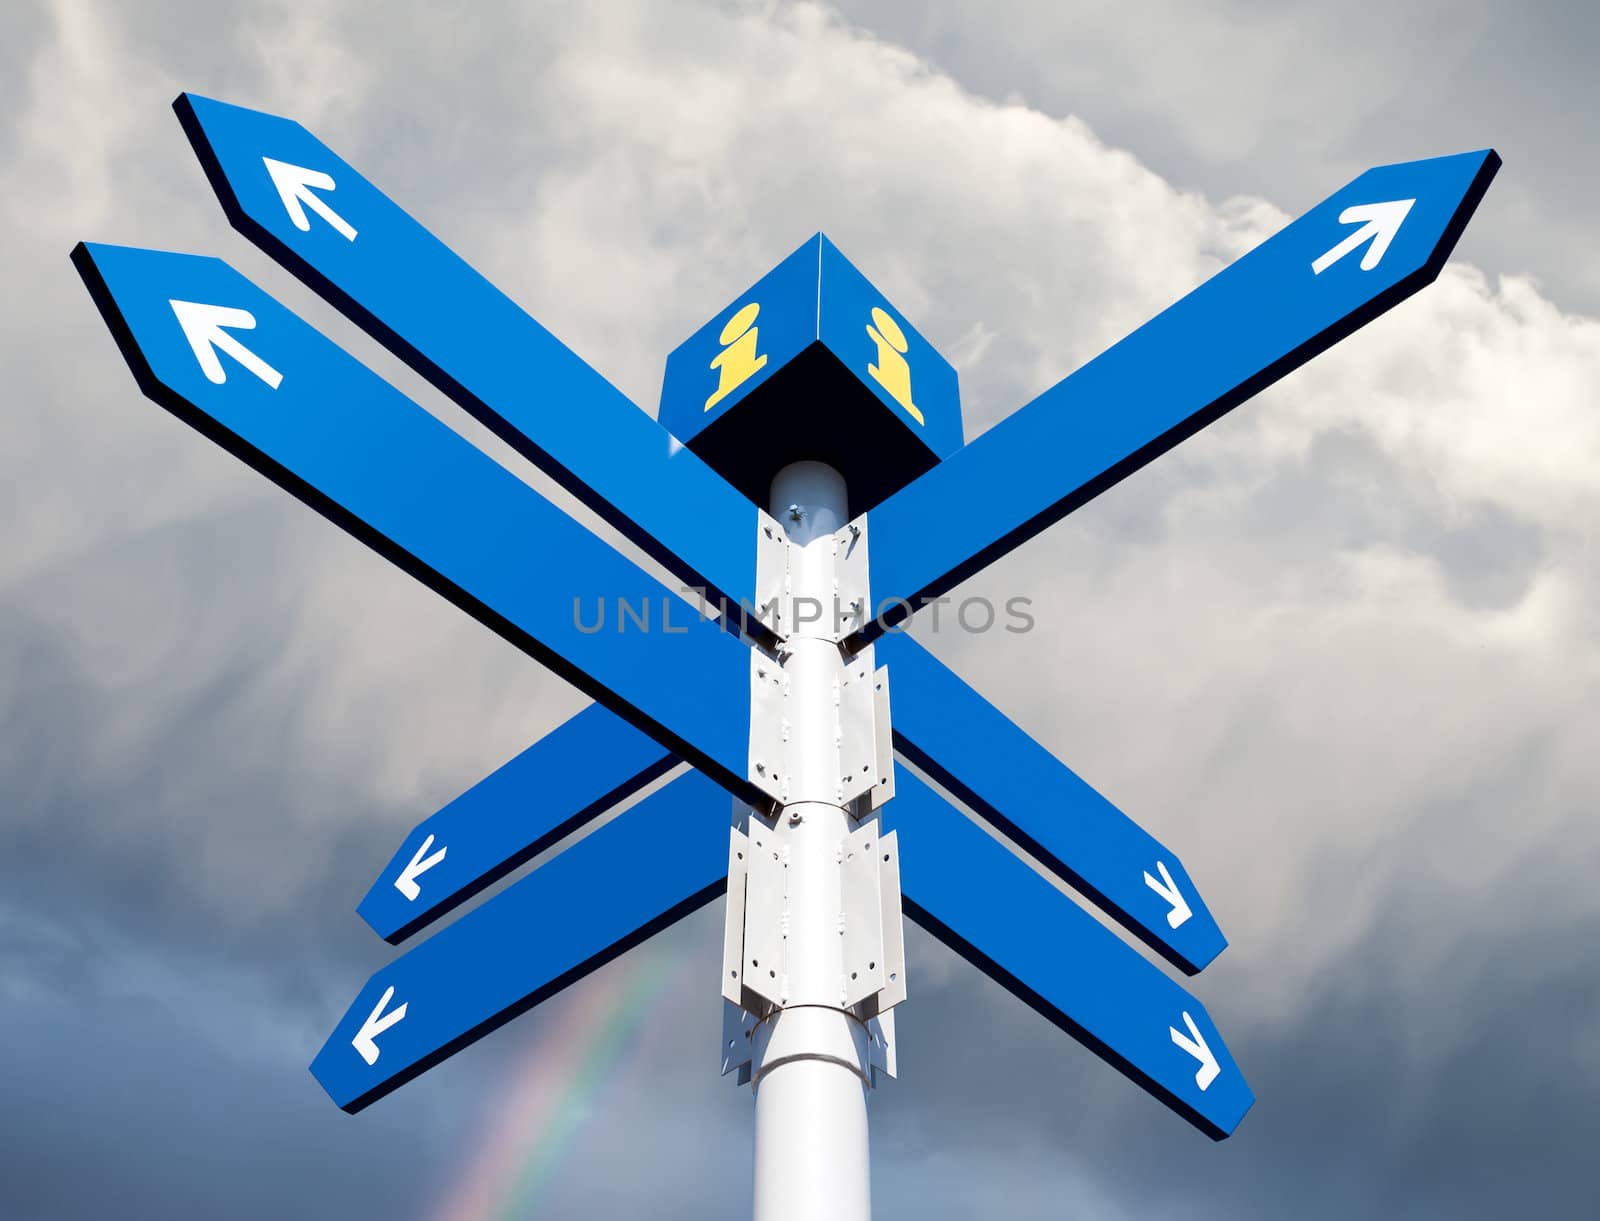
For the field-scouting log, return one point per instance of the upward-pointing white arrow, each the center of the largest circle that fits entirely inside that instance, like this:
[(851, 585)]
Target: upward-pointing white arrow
[(1168, 890), (295, 183), (406, 883), (1383, 222), (203, 328), (378, 1021), (1194, 1043)]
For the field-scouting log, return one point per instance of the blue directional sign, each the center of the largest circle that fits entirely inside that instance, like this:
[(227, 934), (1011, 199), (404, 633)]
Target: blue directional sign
[(622, 883), (1362, 250), (949, 730), (573, 774), (295, 198), (965, 888), (220, 354)]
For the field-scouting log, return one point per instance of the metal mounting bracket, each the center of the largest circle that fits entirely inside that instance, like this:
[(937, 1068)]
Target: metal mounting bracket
[(755, 935), (861, 730), (762, 964), (733, 922), (769, 765), (880, 1032), (857, 729), (852, 592), (890, 921), (864, 969), (882, 740), (772, 576), (738, 1037)]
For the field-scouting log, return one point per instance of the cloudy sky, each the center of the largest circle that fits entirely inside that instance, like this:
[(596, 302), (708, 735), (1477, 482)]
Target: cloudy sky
[(1339, 650)]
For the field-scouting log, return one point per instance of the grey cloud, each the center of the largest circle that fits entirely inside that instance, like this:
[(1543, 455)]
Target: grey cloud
[(1290, 101)]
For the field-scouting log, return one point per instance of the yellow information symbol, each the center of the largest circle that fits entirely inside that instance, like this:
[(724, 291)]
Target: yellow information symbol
[(738, 361), (892, 372)]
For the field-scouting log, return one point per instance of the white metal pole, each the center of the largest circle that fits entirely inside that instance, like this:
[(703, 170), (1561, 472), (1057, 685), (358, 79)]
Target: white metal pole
[(811, 1063)]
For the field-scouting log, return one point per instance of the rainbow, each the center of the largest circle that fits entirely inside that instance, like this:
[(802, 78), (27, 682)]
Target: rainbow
[(553, 1087)]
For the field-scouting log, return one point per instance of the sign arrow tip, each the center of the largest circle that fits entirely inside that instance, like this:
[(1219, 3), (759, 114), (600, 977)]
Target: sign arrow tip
[(378, 1021), (1169, 892), (206, 328), (1383, 221), (1195, 1044), (294, 184), (419, 864)]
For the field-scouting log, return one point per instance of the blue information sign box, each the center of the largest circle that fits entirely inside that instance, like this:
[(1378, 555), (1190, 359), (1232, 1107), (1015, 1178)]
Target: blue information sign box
[(813, 362)]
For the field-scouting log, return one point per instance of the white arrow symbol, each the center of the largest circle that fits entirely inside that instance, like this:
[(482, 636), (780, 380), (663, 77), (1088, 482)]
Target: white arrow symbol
[(1383, 222), (378, 1021), (406, 883), (1194, 1043), (294, 183), (1168, 890), (203, 328)]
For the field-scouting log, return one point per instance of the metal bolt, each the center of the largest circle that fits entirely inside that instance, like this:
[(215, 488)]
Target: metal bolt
[(795, 818)]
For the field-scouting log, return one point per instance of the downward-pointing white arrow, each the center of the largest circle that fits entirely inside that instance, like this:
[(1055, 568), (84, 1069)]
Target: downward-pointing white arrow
[(1383, 222), (406, 883), (378, 1021), (294, 183), (1194, 1043), (1168, 890), (203, 328)]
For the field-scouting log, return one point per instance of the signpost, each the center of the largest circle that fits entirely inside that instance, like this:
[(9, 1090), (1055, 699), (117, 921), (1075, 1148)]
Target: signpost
[(785, 705)]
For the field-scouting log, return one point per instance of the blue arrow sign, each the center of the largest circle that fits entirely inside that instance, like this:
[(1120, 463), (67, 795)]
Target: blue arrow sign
[(967, 889), (1362, 250), (962, 741), (614, 888), (571, 775), (307, 208), (226, 358)]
